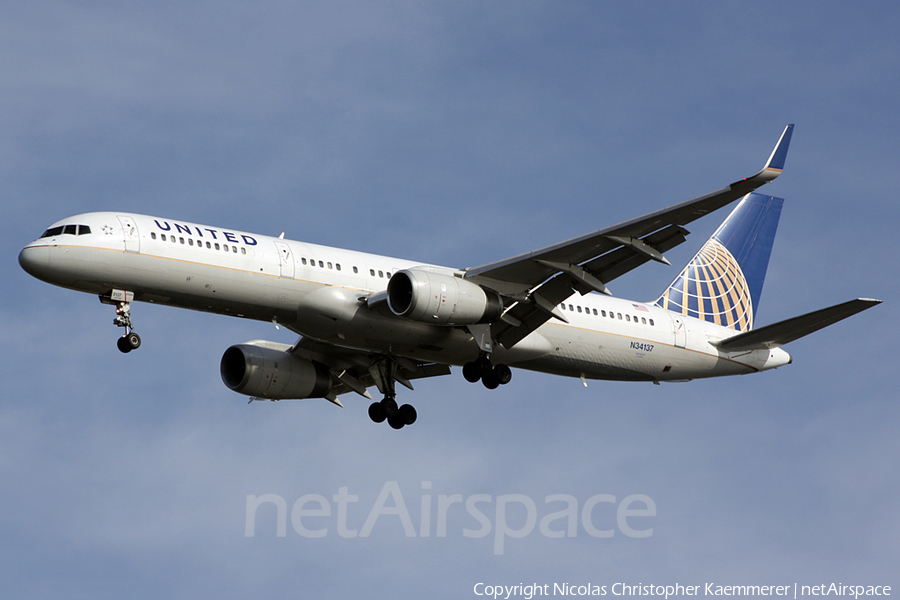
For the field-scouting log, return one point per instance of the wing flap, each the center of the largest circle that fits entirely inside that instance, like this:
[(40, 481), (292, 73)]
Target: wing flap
[(351, 368), (530, 314)]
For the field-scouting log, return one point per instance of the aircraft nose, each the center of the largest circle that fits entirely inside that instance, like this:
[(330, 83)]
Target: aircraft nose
[(35, 260)]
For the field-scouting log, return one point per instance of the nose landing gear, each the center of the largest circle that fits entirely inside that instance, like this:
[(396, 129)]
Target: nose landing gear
[(122, 301)]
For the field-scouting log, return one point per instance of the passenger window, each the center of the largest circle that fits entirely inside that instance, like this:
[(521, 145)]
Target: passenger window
[(338, 265), (571, 307), (372, 272), (355, 270), (208, 245), (190, 242), (381, 274), (243, 250), (578, 308), (628, 318), (329, 265), (321, 264), (643, 321), (234, 249), (603, 313), (303, 260), (620, 316), (216, 246), (595, 312), (181, 240), (651, 322), (164, 237), (152, 235)]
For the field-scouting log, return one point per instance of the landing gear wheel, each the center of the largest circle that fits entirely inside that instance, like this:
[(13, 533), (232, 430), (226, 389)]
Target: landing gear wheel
[(396, 422), (407, 413), (376, 412), (502, 373), (472, 372), (490, 381), (389, 406), (134, 340), (484, 366), (123, 345)]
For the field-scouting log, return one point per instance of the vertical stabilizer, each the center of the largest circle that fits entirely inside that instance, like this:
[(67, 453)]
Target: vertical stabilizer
[(723, 282)]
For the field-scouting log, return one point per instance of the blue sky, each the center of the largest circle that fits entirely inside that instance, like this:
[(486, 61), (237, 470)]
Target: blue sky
[(455, 135)]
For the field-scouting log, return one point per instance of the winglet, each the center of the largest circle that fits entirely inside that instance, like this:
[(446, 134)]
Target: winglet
[(775, 164)]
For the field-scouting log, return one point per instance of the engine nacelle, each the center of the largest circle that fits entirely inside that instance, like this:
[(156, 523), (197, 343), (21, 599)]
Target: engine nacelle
[(266, 370), (439, 298)]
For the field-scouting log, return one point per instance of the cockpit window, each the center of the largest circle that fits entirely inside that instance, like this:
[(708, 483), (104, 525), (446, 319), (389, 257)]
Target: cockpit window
[(52, 232), (67, 230)]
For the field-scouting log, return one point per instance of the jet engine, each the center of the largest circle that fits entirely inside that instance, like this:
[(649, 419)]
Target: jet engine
[(432, 297), (267, 370)]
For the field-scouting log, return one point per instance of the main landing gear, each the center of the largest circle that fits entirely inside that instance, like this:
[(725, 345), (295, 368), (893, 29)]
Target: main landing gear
[(490, 375), (385, 374), (122, 301), (387, 409)]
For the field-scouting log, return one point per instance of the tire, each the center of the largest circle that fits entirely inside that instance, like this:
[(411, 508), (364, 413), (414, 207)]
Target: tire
[(484, 365), (407, 413), (490, 382), (376, 412), (396, 422), (389, 406), (134, 340), (502, 373), (123, 345), (471, 372)]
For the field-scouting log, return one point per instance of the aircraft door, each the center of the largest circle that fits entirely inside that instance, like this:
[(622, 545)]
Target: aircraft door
[(132, 238), (285, 259), (679, 329)]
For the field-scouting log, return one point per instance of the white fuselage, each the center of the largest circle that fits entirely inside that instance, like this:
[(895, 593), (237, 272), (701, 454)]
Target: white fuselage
[(321, 292)]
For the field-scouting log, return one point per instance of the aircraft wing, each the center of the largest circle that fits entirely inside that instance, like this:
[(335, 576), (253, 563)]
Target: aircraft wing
[(778, 334), (357, 370), (536, 282)]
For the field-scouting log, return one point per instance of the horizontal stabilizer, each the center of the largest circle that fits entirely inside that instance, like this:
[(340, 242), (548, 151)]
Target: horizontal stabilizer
[(778, 334)]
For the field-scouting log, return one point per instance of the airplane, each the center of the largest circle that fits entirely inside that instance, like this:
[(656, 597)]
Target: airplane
[(368, 320)]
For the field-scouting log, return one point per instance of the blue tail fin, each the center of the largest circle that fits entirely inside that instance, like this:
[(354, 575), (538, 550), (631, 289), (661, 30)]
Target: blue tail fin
[(723, 282)]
